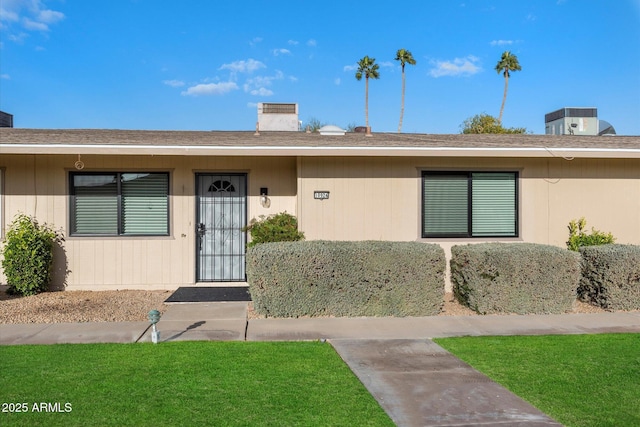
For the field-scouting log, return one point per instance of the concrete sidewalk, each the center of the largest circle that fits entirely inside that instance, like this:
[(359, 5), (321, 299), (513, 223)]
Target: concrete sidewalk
[(439, 326), (420, 384), (414, 380), (228, 321)]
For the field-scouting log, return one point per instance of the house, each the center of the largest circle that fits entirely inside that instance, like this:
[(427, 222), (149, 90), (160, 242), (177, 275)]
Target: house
[(162, 209)]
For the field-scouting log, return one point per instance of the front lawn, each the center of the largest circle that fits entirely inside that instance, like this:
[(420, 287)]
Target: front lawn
[(183, 383), (579, 380)]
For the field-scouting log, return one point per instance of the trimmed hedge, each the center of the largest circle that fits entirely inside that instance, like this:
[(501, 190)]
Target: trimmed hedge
[(323, 278), (611, 276), (522, 278)]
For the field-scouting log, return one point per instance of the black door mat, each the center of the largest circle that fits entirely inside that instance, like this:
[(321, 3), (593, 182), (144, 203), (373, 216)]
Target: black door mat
[(209, 294)]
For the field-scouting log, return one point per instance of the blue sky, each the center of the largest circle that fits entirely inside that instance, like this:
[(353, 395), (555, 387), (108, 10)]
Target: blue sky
[(204, 65)]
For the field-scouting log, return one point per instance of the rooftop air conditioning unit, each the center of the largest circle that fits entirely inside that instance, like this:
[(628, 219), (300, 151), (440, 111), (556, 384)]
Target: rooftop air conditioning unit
[(278, 117)]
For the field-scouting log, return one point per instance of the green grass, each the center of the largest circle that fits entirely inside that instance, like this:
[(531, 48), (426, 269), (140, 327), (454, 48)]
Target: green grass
[(579, 380), (186, 383)]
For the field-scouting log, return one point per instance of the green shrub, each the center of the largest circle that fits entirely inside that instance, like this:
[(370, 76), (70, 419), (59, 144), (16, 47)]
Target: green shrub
[(578, 238), (522, 278), (281, 227), (370, 278), (28, 255), (611, 277)]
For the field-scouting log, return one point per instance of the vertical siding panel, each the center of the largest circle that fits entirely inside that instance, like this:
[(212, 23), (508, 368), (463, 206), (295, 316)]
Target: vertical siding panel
[(186, 233), (85, 265), (98, 267), (128, 259), (167, 261), (110, 263), (355, 213), (139, 253), (154, 270), (340, 180)]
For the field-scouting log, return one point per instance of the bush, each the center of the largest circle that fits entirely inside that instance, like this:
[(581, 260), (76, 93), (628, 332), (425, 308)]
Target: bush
[(578, 238), (522, 278), (611, 277), (485, 123), (282, 227), (28, 255), (371, 278)]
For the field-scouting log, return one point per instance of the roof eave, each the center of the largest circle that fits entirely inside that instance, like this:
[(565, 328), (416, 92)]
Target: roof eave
[(329, 151)]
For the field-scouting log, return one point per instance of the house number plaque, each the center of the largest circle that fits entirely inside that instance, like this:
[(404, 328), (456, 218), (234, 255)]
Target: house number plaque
[(321, 195)]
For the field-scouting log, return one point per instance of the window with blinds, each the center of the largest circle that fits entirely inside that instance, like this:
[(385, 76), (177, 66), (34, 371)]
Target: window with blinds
[(469, 204), (120, 204)]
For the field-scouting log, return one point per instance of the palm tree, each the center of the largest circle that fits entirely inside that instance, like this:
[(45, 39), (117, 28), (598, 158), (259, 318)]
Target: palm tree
[(369, 69), (405, 57), (508, 63)]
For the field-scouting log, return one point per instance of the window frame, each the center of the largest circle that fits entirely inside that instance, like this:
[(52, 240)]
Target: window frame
[(120, 209), (469, 232)]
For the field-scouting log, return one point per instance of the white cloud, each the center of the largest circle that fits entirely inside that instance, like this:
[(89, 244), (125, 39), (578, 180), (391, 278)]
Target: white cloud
[(501, 42), (293, 42), (32, 25), (247, 66), (5, 76), (350, 68), (210, 89), (173, 83), (387, 64), (467, 66), (259, 84), (337, 81), (32, 15), (261, 92), (255, 41), (50, 16), (8, 15), (18, 38), (312, 43), (278, 52)]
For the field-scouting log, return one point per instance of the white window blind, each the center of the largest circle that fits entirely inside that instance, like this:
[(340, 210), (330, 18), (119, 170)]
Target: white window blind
[(144, 203), (493, 204)]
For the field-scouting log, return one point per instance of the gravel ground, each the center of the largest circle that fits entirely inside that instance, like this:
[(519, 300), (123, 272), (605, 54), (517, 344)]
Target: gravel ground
[(126, 305), (81, 306)]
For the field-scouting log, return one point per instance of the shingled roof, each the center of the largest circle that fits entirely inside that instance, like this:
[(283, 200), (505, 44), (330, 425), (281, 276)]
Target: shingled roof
[(100, 141)]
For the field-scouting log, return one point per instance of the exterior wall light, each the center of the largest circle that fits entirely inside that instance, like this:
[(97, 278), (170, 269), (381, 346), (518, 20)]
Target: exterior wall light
[(154, 317), (264, 197)]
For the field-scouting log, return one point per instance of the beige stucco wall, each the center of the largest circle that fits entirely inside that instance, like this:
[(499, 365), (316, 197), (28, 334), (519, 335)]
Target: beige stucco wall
[(38, 186), (379, 199)]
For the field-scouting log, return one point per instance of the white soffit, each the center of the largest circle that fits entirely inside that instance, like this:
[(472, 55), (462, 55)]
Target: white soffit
[(330, 151)]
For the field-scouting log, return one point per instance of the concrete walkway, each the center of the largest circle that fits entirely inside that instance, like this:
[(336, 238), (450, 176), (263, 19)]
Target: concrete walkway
[(414, 380)]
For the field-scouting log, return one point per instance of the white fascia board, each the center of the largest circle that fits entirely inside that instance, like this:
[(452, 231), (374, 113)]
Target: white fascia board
[(199, 150)]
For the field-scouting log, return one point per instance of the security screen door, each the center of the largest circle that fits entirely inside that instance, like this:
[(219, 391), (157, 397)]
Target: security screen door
[(221, 207)]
